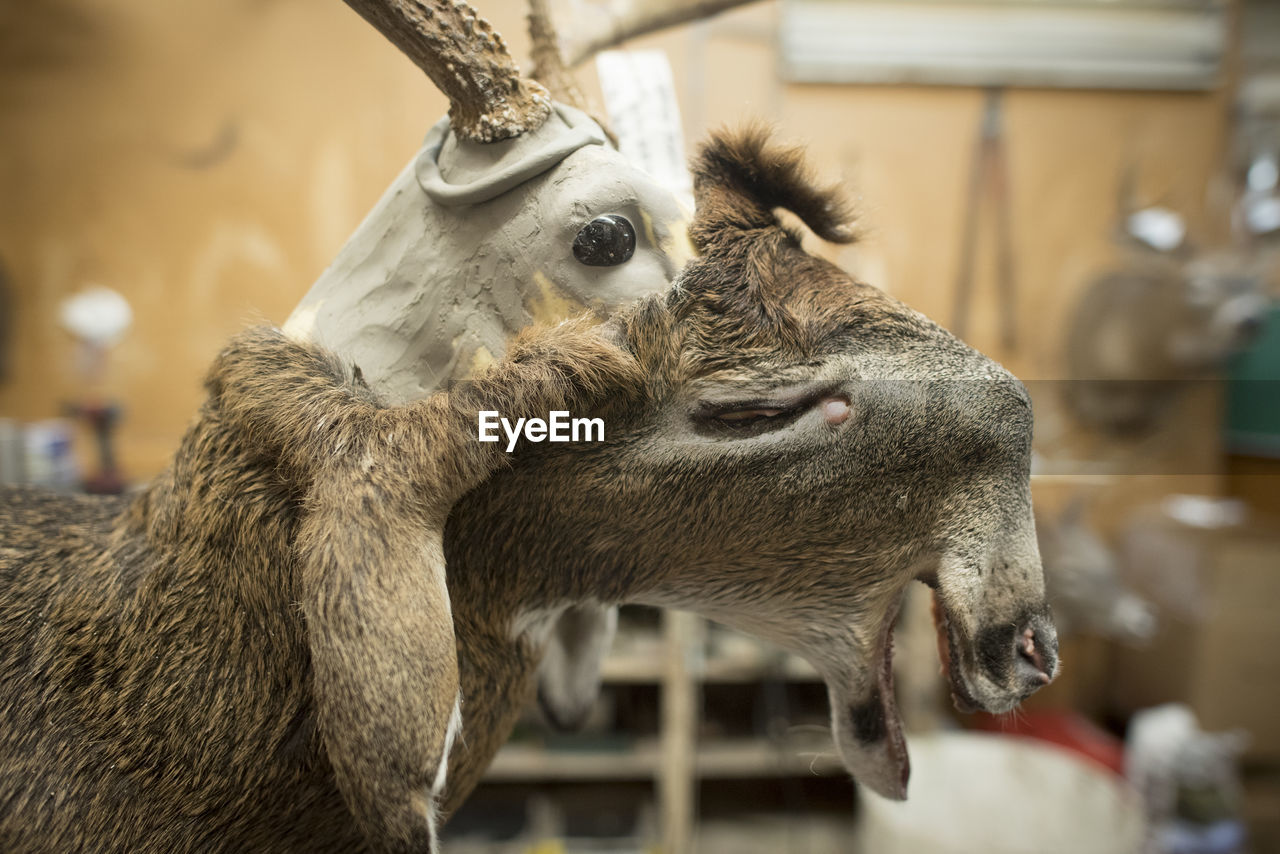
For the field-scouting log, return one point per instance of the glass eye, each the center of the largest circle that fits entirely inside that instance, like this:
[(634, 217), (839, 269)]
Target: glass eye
[(606, 241)]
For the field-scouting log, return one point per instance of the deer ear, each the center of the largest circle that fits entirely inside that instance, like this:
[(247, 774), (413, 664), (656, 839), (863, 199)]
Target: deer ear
[(569, 677), (384, 664), (370, 565)]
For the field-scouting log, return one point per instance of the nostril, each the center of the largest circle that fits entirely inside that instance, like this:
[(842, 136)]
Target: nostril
[(1029, 654)]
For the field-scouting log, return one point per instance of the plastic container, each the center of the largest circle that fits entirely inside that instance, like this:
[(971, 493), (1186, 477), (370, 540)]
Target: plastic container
[(978, 793)]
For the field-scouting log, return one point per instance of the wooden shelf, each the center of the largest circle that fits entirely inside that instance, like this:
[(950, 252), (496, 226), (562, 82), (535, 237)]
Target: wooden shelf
[(674, 659), (728, 670), (712, 760), (758, 758), (528, 763), (643, 670), (631, 670)]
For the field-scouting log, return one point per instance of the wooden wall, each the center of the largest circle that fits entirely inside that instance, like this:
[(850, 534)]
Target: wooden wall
[(207, 160)]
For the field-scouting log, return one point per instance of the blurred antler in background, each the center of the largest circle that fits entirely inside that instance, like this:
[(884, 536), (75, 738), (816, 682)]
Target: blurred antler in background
[(548, 62), (617, 21), (613, 23), (468, 60)]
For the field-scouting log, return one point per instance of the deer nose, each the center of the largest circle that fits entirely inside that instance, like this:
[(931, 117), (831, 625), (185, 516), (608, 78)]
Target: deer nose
[(1036, 655)]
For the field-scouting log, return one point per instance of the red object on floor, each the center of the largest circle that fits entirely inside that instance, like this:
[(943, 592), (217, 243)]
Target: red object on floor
[(1065, 729)]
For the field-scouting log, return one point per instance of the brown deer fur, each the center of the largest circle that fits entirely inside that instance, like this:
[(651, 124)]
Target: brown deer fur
[(258, 652), (170, 661)]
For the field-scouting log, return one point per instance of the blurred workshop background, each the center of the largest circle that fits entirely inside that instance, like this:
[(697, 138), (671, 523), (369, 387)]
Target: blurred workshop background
[(1088, 191)]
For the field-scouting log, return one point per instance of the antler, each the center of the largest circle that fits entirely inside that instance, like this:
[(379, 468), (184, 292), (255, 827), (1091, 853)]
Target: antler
[(628, 19), (467, 60), (544, 49)]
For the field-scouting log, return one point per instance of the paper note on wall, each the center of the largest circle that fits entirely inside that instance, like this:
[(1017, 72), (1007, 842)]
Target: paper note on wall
[(640, 98)]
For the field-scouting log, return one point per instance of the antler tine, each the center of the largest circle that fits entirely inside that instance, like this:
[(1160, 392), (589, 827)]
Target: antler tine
[(548, 64), (467, 60), (549, 68)]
